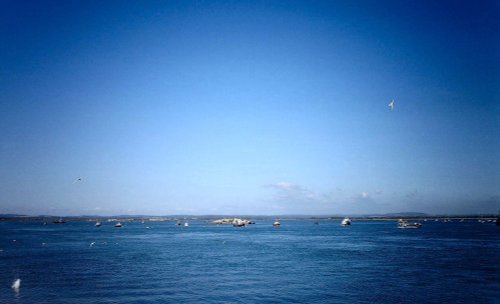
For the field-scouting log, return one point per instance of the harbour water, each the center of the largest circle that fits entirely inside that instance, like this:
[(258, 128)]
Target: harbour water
[(299, 262)]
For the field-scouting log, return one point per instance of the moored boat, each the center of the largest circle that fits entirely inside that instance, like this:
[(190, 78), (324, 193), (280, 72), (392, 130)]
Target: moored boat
[(405, 225), (239, 223), (118, 225), (276, 224), (98, 224), (346, 222)]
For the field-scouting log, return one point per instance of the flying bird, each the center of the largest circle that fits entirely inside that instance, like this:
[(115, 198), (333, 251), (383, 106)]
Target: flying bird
[(78, 180), (16, 285), (391, 105)]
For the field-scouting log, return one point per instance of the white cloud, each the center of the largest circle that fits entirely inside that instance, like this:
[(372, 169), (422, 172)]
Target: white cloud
[(292, 192), (364, 195), (285, 186), (299, 197)]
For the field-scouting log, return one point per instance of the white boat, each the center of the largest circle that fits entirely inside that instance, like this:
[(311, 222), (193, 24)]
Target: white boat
[(276, 224), (239, 223), (118, 225), (186, 224), (98, 224), (346, 222), (402, 224)]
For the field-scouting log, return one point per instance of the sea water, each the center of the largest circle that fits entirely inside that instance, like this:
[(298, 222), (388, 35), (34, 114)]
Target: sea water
[(299, 262)]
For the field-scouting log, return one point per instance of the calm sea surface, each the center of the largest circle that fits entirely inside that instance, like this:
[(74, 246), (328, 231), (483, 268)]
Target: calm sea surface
[(300, 262)]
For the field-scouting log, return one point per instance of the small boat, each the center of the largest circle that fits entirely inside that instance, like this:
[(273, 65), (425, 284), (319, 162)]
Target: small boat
[(118, 225), (405, 225), (346, 222), (59, 221), (239, 223), (98, 224), (276, 224), (186, 224)]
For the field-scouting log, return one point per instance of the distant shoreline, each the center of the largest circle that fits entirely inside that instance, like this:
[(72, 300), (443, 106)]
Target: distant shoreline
[(140, 218)]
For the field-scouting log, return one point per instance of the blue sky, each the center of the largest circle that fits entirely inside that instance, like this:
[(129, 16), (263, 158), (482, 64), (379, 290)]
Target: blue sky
[(249, 107)]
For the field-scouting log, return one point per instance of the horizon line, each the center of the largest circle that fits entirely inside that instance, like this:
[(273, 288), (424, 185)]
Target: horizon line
[(418, 214)]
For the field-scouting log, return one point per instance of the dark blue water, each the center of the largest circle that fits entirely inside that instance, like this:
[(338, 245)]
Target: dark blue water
[(369, 262)]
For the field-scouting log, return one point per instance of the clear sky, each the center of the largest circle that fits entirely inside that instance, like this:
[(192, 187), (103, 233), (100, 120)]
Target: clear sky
[(249, 107)]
